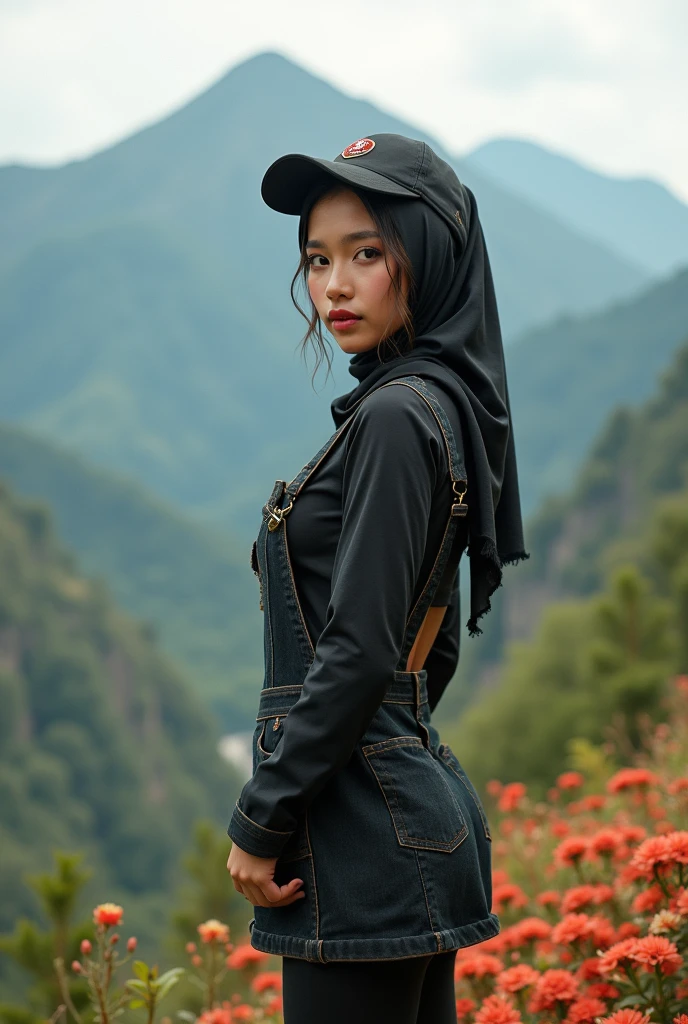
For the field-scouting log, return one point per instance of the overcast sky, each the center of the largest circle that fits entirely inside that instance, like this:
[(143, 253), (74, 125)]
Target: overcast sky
[(604, 81)]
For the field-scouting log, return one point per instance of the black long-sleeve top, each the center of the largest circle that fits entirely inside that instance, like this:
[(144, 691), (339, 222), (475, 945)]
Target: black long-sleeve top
[(363, 536)]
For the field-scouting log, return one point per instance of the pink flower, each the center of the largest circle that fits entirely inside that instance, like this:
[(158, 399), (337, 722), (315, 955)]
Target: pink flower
[(496, 1010)]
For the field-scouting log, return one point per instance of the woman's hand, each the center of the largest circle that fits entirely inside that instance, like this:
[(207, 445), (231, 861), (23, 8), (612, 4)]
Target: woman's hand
[(253, 877)]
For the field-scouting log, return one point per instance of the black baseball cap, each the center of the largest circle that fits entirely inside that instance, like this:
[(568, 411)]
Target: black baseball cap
[(391, 164)]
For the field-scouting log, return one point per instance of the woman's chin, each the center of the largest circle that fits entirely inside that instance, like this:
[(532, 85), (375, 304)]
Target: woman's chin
[(351, 344)]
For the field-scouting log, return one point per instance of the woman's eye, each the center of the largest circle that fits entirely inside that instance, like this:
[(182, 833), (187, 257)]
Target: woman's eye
[(369, 249), (315, 256)]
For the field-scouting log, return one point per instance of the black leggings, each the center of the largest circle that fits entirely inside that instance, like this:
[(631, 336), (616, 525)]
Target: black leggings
[(417, 990)]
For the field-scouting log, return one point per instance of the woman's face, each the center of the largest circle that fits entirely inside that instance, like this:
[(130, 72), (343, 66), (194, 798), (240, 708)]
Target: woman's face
[(348, 273)]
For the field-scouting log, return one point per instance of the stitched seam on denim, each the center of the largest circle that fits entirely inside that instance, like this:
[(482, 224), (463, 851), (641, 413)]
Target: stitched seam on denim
[(425, 892), (255, 824), (266, 606), (481, 811), (304, 629), (314, 883), (259, 745)]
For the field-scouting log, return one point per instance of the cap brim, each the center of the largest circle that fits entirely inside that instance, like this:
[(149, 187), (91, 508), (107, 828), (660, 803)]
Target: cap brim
[(288, 180)]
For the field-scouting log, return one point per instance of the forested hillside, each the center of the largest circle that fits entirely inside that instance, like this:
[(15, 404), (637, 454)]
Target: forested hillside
[(104, 748), (193, 584), (603, 601)]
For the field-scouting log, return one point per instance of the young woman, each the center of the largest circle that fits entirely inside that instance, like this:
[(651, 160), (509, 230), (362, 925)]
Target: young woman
[(359, 840)]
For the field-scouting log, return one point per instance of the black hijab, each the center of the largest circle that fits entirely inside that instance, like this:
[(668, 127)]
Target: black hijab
[(458, 345)]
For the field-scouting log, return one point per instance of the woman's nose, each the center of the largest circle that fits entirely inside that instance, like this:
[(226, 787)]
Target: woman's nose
[(338, 285)]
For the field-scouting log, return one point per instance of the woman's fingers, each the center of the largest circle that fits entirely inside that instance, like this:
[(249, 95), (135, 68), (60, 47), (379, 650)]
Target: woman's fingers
[(261, 894)]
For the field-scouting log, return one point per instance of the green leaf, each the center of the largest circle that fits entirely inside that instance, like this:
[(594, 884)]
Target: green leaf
[(137, 986), (136, 1004), (141, 970)]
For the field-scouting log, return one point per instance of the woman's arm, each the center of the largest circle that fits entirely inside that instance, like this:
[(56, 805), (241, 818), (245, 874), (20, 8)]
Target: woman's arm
[(394, 462)]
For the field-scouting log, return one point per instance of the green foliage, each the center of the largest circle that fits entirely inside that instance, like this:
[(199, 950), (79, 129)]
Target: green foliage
[(105, 748), (208, 893), (34, 948), (593, 667)]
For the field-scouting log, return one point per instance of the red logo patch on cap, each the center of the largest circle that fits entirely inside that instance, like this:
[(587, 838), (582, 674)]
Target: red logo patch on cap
[(358, 148)]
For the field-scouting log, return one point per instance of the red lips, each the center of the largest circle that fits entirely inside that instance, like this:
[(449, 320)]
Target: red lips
[(343, 314)]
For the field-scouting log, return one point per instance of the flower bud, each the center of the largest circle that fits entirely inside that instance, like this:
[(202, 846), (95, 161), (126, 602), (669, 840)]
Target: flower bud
[(131, 944), (76, 966), (197, 960), (86, 947), (191, 947), (114, 939)]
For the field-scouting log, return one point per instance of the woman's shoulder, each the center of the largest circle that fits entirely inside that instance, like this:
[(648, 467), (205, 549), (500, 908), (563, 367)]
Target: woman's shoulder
[(397, 407)]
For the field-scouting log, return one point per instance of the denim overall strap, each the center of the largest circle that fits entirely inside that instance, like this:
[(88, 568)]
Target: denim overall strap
[(457, 509)]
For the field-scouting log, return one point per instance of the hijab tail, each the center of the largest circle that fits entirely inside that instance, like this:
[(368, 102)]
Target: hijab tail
[(489, 576), (512, 559), (486, 576)]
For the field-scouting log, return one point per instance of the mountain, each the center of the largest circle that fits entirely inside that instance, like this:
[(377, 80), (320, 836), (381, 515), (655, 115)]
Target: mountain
[(566, 377), (637, 218), (104, 747), (638, 457), (193, 586), (144, 291)]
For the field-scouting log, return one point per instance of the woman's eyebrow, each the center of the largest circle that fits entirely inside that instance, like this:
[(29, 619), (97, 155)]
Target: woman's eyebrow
[(353, 236)]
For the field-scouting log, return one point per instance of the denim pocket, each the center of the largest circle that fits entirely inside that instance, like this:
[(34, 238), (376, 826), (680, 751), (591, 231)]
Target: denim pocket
[(425, 812), (448, 755)]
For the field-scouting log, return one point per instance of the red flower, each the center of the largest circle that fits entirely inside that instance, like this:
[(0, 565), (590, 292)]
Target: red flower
[(681, 1019), (511, 796), (613, 957), (584, 1010), (603, 990), (508, 895), (606, 841), (213, 931), (572, 928), (655, 852), (496, 1010), (107, 914), (245, 955), (513, 979), (570, 850), (464, 1008), (676, 786), (477, 966), (629, 778), (243, 1012), (570, 780), (677, 843), (626, 1017), (647, 900), (554, 986), (578, 897), (268, 979), (656, 949), (531, 928), (548, 898), (218, 1015)]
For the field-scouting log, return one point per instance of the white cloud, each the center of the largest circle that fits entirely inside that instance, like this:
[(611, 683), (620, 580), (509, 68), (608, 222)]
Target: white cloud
[(602, 80)]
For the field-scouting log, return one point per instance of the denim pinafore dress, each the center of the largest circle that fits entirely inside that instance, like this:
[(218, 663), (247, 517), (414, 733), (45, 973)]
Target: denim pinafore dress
[(395, 850)]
